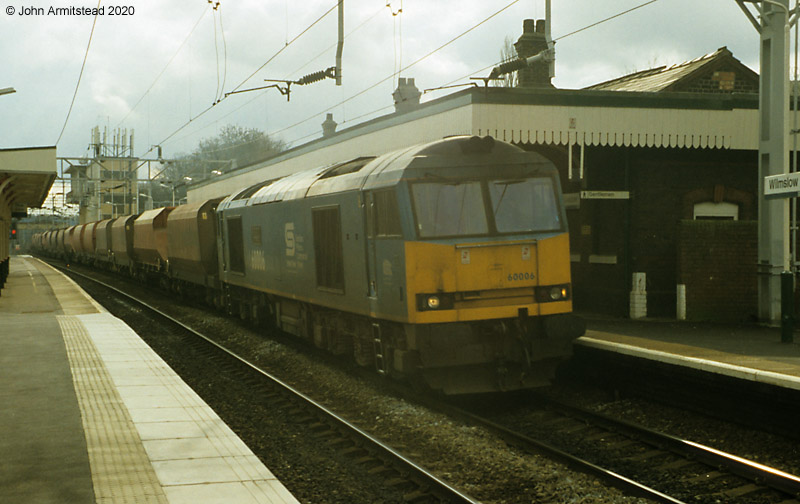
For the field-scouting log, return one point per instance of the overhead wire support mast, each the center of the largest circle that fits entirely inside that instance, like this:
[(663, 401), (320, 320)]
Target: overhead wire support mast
[(329, 73), (773, 22)]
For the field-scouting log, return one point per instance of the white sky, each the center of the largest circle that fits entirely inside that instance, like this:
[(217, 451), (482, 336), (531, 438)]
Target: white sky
[(41, 56)]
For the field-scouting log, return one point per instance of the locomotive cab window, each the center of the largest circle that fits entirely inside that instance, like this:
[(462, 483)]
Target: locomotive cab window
[(328, 253), (449, 209), (490, 206), (236, 244), (384, 215), (521, 205)]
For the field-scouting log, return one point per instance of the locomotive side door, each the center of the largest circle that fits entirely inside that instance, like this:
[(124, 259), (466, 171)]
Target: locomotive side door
[(370, 243), (385, 273)]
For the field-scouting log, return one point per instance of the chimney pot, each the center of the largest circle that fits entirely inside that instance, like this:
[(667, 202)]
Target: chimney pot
[(528, 26), (406, 96), (533, 42)]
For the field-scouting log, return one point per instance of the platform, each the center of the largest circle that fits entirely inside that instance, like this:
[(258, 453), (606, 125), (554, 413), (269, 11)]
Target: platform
[(89, 413), (748, 352)]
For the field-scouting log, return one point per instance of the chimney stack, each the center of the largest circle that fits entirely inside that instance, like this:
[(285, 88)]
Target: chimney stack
[(531, 43), (329, 126), (406, 96)]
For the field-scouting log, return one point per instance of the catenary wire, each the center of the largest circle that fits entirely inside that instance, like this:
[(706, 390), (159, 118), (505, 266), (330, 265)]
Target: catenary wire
[(285, 46), (192, 119), (426, 56), (205, 11), (261, 93), (372, 86), (80, 75), (401, 70), (557, 39)]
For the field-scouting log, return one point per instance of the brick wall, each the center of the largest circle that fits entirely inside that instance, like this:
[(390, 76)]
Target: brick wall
[(713, 84), (661, 182), (642, 232), (717, 263)]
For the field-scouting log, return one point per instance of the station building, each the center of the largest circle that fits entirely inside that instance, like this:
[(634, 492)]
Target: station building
[(25, 179), (659, 170)]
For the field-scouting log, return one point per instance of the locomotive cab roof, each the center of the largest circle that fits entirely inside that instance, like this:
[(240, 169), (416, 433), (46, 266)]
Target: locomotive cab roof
[(382, 171)]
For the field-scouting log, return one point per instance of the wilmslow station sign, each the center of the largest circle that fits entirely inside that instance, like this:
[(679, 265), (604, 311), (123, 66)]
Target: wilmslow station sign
[(786, 185)]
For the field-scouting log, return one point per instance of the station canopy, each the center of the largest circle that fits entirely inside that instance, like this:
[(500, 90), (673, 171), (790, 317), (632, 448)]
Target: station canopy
[(26, 175)]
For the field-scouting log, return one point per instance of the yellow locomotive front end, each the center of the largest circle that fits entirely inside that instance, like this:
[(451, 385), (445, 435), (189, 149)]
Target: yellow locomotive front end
[(490, 316), (487, 273), (489, 280)]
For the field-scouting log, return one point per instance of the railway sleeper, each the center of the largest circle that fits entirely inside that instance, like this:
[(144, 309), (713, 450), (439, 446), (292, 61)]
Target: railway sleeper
[(639, 457), (368, 460), (381, 470), (677, 464), (325, 434), (354, 451), (741, 491), (339, 442), (418, 495), (706, 477), (619, 445), (400, 483), (603, 436)]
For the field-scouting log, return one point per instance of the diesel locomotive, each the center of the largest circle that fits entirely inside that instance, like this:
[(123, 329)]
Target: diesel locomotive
[(446, 263)]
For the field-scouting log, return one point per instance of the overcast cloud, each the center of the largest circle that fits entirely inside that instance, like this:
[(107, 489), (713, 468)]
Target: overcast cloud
[(41, 56)]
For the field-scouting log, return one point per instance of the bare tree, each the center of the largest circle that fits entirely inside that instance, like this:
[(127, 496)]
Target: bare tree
[(234, 147), (508, 53)]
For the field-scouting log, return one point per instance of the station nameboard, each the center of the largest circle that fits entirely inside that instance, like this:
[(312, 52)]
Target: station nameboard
[(786, 185), (605, 195)]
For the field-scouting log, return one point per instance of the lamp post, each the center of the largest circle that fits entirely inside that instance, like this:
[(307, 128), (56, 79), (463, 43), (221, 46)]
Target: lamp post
[(175, 184), (146, 205)]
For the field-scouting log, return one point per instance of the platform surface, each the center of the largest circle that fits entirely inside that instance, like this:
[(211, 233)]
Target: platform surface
[(89, 413), (748, 352)]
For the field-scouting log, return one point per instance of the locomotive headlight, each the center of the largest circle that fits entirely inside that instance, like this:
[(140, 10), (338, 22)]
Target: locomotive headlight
[(435, 302), (549, 293)]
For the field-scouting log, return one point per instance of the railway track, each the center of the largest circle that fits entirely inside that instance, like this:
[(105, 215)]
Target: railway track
[(414, 483), (635, 457), (699, 471)]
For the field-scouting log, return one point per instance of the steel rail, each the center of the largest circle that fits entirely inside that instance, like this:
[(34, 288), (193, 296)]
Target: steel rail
[(426, 480), (622, 483), (747, 469)]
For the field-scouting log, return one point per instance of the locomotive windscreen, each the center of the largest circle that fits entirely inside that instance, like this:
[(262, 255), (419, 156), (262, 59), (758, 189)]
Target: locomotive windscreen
[(525, 205), (486, 207)]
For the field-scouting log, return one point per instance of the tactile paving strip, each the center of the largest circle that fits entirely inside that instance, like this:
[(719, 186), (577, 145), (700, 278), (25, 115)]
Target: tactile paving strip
[(121, 469)]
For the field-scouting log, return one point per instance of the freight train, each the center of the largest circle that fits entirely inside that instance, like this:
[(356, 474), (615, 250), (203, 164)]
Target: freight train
[(445, 263)]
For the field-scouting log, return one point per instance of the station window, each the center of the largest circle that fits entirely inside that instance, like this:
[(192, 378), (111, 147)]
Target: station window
[(328, 248), (236, 245), (708, 210)]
